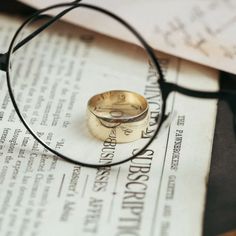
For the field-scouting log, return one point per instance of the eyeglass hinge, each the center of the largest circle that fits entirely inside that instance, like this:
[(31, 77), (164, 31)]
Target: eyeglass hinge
[(3, 62)]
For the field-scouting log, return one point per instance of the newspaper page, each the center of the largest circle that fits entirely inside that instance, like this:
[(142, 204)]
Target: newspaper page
[(161, 192), (199, 31)]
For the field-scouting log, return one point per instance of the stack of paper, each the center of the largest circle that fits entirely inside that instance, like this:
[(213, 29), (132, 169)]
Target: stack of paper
[(161, 192)]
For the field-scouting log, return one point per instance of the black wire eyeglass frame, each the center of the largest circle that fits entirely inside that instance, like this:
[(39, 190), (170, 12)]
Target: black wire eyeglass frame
[(165, 87)]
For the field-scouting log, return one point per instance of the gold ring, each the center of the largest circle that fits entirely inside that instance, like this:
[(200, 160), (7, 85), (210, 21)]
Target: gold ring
[(122, 114)]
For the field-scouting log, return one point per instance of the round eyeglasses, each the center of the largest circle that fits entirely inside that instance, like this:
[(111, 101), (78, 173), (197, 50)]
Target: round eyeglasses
[(53, 69)]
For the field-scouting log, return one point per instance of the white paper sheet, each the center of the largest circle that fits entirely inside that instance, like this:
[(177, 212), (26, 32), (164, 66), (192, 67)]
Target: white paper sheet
[(162, 192), (200, 31)]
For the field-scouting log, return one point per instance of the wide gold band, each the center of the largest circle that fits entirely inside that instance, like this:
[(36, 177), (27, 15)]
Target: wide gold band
[(119, 112)]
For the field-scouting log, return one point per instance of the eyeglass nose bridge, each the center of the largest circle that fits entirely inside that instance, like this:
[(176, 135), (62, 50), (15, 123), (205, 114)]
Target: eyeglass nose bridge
[(3, 62)]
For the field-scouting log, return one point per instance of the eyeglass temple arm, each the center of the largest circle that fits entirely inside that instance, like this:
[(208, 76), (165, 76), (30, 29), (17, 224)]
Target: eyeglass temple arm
[(3, 57), (3, 62), (167, 88)]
